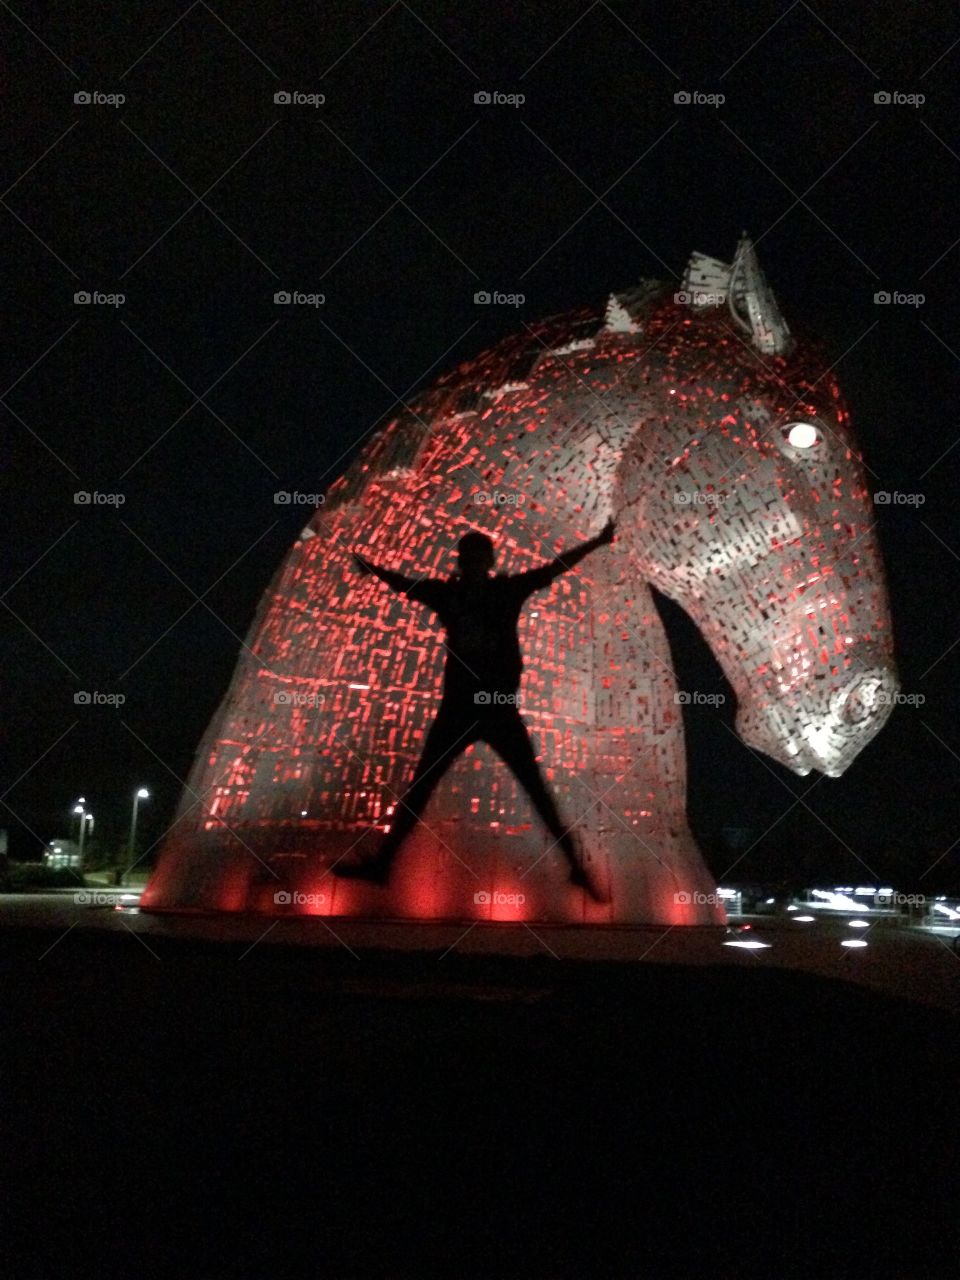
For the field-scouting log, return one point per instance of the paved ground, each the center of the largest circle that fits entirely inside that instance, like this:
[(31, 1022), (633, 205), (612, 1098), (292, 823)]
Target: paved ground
[(913, 963), (180, 1099)]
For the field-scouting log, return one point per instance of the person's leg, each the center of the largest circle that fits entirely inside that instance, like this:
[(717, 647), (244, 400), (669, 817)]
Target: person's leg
[(449, 734), (509, 737)]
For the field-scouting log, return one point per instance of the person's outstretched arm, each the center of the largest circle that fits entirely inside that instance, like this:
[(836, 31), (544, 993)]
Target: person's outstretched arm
[(535, 579), (416, 588)]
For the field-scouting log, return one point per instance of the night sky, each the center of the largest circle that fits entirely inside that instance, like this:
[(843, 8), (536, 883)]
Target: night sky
[(398, 198)]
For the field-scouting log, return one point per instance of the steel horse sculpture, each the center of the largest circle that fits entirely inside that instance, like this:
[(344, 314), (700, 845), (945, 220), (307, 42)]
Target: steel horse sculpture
[(722, 447)]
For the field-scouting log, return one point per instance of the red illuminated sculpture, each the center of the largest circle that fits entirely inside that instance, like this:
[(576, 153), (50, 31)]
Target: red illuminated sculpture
[(722, 448)]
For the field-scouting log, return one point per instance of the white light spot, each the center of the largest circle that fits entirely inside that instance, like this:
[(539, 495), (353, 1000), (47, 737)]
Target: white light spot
[(802, 435), (854, 942)]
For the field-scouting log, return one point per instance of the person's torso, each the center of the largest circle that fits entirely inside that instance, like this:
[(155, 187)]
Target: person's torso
[(483, 648)]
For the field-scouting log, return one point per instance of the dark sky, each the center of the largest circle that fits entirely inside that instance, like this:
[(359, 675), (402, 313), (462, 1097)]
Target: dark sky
[(199, 197)]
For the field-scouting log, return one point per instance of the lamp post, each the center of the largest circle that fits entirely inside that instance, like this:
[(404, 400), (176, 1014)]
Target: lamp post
[(84, 819), (140, 794), (78, 808)]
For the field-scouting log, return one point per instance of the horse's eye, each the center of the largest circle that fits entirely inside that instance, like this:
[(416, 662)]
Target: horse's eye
[(802, 435)]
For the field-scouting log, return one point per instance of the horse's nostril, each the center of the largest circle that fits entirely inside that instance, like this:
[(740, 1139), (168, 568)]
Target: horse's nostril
[(864, 697)]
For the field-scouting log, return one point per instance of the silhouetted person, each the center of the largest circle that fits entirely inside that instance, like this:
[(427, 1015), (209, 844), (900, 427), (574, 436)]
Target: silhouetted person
[(480, 612)]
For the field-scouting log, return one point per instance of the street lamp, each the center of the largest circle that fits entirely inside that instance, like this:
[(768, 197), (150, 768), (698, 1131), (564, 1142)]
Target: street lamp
[(84, 819), (78, 808), (140, 794)]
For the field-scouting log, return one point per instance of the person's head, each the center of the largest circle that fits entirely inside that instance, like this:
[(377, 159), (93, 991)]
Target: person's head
[(475, 555)]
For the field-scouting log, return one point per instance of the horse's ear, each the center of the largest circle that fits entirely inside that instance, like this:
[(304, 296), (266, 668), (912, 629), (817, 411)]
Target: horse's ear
[(743, 288), (753, 304)]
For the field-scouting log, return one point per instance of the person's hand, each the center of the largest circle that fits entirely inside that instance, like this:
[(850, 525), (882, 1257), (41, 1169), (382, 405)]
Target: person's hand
[(606, 534), (363, 565)]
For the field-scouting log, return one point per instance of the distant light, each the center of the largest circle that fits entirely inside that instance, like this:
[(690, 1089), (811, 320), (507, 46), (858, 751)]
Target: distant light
[(804, 919), (358, 686), (854, 942), (303, 813), (802, 435), (143, 794), (838, 898), (769, 900), (747, 944), (793, 908), (859, 924), (78, 809)]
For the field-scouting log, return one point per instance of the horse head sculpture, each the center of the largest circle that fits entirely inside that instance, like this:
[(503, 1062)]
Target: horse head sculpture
[(722, 446)]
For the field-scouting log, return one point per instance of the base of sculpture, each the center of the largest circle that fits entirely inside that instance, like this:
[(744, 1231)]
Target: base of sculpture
[(429, 881)]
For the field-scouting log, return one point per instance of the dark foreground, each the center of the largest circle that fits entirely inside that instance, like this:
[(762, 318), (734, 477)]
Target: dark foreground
[(295, 1113)]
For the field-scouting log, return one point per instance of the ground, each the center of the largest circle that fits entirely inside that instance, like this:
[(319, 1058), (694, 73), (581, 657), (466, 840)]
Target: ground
[(203, 1108)]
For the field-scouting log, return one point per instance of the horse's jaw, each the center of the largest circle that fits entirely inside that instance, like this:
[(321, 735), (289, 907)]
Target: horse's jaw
[(812, 732)]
